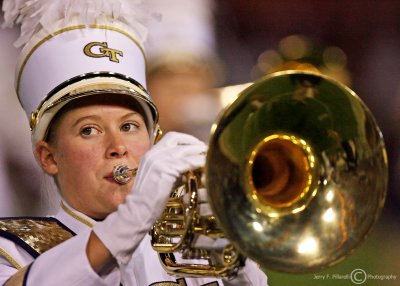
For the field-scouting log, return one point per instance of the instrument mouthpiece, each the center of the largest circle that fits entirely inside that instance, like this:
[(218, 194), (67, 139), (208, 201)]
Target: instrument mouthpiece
[(122, 174)]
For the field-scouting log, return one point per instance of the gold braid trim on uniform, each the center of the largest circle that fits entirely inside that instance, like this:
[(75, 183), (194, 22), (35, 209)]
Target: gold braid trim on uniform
[(76, 216), (10, 258), (39, 234)]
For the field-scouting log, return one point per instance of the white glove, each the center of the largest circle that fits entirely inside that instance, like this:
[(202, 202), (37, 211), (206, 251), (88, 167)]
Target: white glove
[(122, 231)]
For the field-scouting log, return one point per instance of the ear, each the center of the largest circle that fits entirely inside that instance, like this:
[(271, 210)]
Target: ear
[(45, 156)]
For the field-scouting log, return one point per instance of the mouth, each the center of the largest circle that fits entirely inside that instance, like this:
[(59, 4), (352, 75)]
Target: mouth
[(121, 174), (109, 177)]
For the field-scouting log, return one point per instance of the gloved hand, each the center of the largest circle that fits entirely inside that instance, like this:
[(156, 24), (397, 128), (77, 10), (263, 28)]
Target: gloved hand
[(122, 231)]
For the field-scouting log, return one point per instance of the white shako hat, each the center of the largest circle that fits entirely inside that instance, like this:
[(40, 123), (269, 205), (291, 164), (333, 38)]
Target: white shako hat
[(78, 48)]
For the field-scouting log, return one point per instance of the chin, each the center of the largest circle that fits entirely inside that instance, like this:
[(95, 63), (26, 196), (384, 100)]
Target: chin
[(116, 201), (104, 213)]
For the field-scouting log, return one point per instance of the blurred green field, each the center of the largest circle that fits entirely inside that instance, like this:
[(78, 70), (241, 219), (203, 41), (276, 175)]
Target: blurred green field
[(378, 256)]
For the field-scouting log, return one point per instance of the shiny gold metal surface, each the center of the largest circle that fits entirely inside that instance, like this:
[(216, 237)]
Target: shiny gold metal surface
[(296, 176), (344, 172), (122, 174), (189, 240), (39, 234), (280, 172)]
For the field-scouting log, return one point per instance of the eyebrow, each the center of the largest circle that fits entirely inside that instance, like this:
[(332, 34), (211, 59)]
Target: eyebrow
[(133, 113)]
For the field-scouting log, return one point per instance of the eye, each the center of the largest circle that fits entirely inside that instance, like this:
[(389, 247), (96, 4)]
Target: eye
[(129, 127), (89, 130)]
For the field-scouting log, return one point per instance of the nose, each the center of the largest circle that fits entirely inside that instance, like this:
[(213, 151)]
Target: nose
[(116, 146)]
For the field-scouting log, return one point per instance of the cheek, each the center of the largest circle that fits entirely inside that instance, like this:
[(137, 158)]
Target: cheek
[(77, 158), (140, 149)]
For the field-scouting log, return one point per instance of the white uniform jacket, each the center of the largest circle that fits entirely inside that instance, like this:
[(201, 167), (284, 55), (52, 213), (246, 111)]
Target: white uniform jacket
[(67, 263)]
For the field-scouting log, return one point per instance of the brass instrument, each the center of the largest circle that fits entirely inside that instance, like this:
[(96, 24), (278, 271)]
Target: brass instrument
[(296, 176)]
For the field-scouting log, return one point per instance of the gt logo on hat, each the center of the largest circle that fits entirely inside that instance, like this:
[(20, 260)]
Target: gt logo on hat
[(104, 51)]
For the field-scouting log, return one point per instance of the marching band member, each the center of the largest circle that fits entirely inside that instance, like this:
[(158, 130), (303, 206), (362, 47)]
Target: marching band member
[(81, 80)]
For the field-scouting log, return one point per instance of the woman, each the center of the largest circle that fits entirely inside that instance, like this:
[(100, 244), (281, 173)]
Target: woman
[(83, 89), (85, 140)]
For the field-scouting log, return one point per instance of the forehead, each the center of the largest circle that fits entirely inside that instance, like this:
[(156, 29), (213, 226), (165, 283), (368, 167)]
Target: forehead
[(101, 113)]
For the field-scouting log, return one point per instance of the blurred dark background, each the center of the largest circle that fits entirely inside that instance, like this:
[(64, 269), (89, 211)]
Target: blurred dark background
[(368, 33), (252, 38)]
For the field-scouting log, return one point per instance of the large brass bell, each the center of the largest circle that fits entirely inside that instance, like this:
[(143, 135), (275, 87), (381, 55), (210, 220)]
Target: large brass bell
[(296, 176)]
